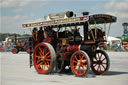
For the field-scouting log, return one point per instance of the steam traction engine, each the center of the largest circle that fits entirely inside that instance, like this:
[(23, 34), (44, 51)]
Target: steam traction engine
[(124, 37), (64, 48)]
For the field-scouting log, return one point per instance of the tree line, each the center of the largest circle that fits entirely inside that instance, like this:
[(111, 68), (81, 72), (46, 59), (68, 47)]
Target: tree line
[(4, 35)]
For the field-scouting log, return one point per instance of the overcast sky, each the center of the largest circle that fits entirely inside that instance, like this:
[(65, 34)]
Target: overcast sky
[(16, 12)]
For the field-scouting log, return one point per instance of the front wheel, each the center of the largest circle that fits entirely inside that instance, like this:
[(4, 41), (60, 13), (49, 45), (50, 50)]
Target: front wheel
[(80, 63), (100, 63)]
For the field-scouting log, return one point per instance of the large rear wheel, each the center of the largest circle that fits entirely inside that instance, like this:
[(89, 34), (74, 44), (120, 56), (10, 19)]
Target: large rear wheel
[(100, 63), (80, 63), (44, 58)]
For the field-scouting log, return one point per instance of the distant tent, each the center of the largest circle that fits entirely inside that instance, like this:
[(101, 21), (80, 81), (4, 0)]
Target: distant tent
[(112, 41)]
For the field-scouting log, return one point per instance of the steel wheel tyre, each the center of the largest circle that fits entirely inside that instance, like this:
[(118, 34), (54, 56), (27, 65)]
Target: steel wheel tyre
[(44, 58), (14, 51), (100, 63), (80, 63)]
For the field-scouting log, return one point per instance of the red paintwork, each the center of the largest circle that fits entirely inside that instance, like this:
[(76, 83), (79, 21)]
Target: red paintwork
[(1, 49), (67, 56), (125, 43), (67, 51), (73, 48), (70, 48), (101, 43), (48, 40), (14, 50), (28, 50)]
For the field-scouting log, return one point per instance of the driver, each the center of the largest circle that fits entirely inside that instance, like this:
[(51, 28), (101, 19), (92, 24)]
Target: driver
[(34, 36), (34, 33), (49, 32), (50, 35), (40, 35)]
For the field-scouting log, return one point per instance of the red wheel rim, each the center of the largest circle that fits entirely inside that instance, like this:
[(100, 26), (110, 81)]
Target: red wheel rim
[(28, 50), (14, 50), (99, 63), (42, 58), (79, 64)]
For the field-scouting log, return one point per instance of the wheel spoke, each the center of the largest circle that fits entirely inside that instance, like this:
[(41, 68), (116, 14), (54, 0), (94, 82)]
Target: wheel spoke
[(80, 57), (39, 65), (38, 57), (85, 61), (48, 59), (83, 68), (103, 66), (94, 62), (75, 61), (38, 61), (46, 64), (41, 51), (104, 63), (100, 56), (103, 59), (47, 53), (78, 69), (76, 58), (98, 67), (95, 65), (74, 66)]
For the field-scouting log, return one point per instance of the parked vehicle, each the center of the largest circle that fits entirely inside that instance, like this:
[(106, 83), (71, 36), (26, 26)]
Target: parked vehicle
[(62, 44), (20, 44)]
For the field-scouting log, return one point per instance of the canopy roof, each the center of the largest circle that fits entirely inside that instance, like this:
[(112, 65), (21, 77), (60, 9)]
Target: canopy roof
[(62, 22), (99, 18), (112, 39)]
